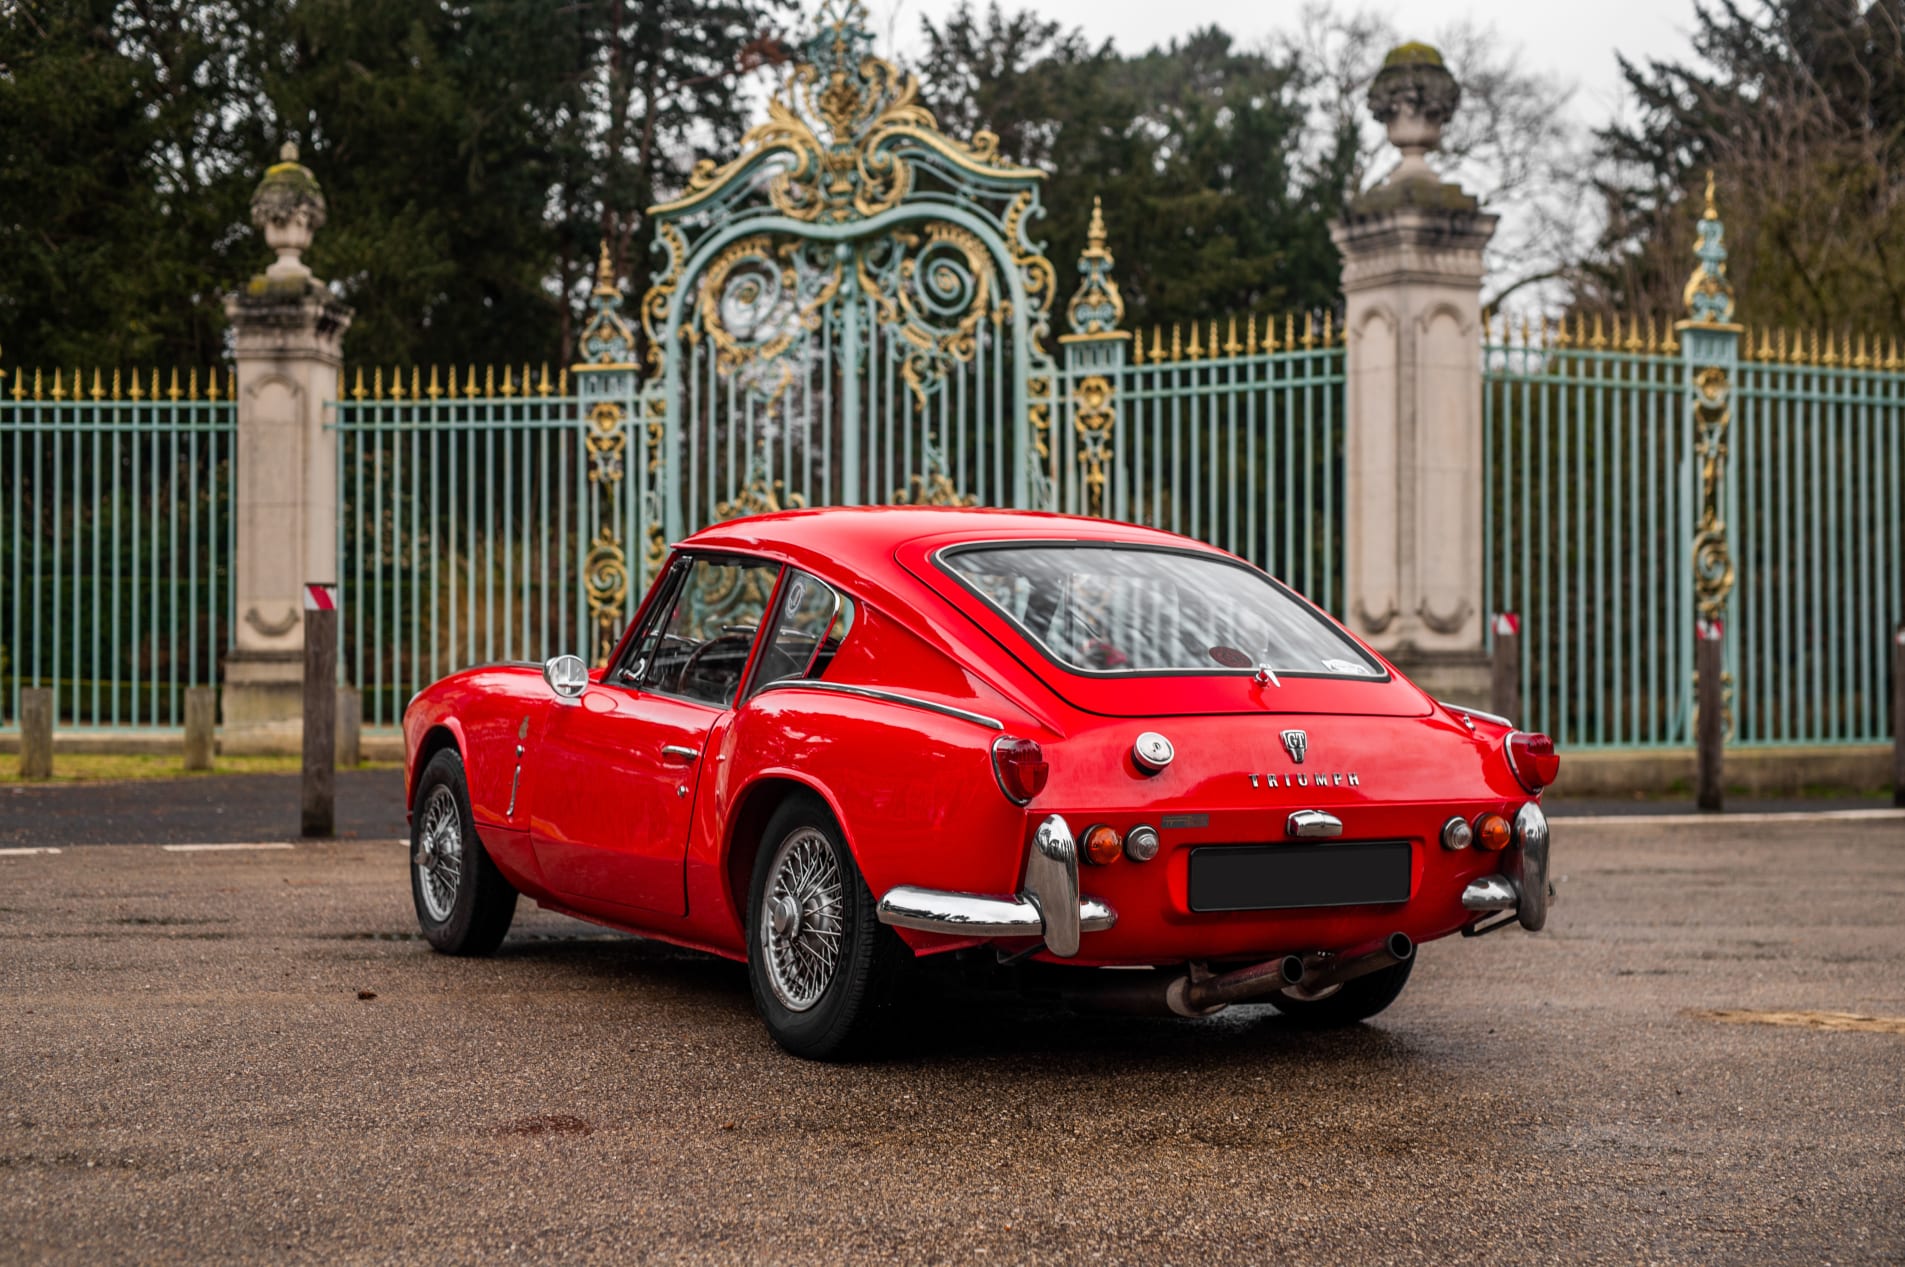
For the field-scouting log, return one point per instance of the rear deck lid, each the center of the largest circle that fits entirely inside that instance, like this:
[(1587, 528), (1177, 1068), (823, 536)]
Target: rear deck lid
[(1142, 629)]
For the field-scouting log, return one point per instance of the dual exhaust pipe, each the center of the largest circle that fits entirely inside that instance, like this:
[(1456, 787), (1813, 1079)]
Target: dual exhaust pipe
[(1197, 993)]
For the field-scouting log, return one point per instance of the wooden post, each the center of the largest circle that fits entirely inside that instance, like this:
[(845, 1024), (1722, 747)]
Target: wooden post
[(1898, 716), (201, 708), (320, 709), (1504, 696), (1709, 663), (350, 727), (36, 732)]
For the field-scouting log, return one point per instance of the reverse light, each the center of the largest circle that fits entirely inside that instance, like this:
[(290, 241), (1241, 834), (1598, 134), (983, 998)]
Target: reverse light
[(1020, 767), (1141, 843), (1100, 844), (1456, 834), (1533, 759), (1492, 832)]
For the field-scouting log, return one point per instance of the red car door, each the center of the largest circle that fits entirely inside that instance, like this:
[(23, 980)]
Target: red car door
[(616, 769), (615, 782)]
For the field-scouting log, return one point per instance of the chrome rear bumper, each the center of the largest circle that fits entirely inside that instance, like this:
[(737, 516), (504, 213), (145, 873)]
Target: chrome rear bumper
[(1524, 889), (1048, 906)]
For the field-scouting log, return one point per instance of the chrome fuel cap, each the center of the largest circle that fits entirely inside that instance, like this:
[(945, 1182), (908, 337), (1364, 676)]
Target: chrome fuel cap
[(1152, 752)]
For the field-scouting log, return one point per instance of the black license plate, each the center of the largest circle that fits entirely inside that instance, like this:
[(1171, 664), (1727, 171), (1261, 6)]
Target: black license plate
[(1286, 877)]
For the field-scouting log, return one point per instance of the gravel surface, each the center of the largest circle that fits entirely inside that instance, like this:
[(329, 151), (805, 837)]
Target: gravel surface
[(247, 1056)]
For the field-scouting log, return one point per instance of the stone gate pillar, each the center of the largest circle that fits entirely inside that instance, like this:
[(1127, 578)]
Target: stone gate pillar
[(289, 331), (1412, 274)]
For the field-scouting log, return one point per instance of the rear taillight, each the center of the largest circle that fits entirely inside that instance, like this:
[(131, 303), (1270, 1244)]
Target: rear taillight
[(1533, 759), (1020, 765)]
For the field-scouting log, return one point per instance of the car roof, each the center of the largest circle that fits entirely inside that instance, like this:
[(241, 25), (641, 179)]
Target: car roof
[(862, 539)]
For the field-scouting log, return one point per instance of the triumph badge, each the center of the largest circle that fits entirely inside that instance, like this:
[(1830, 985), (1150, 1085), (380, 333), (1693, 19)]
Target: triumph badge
[(1298, 743)]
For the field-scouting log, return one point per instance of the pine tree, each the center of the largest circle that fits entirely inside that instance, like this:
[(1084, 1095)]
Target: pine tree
[(1798, 106)]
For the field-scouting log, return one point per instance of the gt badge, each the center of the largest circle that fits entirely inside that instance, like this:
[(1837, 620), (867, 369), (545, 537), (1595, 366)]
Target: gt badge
[(1298, 743)]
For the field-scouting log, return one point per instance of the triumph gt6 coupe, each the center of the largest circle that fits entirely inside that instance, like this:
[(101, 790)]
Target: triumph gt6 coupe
[(836, 741)]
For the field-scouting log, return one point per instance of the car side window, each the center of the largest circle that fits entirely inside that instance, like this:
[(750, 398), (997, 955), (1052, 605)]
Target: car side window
[(812, 621), (698, 646)]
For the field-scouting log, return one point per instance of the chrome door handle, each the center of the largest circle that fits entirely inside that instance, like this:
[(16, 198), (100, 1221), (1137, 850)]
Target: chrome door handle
[(1313, 822), (678, 750)]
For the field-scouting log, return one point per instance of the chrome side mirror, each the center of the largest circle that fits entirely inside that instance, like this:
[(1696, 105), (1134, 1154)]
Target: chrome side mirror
[(566, 675)]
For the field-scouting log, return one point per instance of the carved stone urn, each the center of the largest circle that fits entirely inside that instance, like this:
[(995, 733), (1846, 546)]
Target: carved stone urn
[(289, 207), (1414, 96)]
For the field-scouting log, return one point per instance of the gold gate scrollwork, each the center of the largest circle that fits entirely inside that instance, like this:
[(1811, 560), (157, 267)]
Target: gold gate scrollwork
[(935, 487), (1093, 420), (1711, 342), (604, 378), (605, 574)]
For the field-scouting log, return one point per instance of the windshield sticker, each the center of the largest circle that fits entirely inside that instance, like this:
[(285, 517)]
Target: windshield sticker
[(1230, 657), (1347, 666)]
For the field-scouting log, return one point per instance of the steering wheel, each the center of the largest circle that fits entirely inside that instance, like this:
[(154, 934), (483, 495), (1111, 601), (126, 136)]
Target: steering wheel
[(691, 667)]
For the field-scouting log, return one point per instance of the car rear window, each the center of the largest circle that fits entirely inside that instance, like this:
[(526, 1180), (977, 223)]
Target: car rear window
[(1111, 609)]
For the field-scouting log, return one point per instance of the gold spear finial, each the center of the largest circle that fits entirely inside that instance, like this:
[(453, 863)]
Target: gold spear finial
[(1712, 212), (604, 271), (1095, 234)]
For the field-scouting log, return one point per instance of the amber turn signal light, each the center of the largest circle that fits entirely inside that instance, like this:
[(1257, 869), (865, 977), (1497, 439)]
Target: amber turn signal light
[(1101, 845), (1492, 832)]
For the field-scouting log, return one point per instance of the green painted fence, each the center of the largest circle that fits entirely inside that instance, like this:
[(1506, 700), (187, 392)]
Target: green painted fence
[(115, 542), (1592, 497)]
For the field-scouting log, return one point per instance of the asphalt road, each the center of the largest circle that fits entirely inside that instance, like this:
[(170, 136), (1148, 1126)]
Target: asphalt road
[(191, 1072), (370, 804)]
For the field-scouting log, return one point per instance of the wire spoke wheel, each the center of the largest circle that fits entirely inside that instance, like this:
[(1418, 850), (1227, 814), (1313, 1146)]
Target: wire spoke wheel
[(802, 917), (439, 856)]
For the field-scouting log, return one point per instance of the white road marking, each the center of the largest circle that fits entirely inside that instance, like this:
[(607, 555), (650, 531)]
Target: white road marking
[(21, 853), (1783, 816), (220, 848)]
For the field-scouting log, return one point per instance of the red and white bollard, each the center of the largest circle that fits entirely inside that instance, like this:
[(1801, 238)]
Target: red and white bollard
[(320, 710), (1504, 696)]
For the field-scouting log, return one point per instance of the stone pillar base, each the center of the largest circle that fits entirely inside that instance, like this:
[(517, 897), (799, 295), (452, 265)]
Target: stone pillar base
[(264, 689), (1454, 677)]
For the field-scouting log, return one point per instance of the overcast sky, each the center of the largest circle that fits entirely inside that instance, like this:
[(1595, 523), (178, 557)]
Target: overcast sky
[(1575, 41)]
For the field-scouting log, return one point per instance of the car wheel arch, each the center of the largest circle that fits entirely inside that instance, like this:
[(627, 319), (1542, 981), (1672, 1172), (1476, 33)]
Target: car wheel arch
[(755, 805), (441, 735)]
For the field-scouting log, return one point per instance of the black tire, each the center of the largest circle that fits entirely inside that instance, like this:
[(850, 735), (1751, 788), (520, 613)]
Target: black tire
[(1357, 1000), (851, 1002), (472, 915)]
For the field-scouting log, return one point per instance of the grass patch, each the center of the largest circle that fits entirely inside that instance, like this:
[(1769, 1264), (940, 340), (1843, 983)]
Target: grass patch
[(104, 768)]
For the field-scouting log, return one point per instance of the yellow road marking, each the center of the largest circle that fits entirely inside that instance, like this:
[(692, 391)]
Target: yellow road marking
[(1853, 1021)]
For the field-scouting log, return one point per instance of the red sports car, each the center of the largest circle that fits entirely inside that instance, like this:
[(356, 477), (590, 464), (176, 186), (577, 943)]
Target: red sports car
[(836, 741)]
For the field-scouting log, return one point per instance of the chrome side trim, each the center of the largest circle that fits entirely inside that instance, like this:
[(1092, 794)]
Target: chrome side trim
[(1459, 709), (1490, 893), (890, 697)]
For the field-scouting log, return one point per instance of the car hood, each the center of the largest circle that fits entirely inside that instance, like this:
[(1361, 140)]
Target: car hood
[(1160, 695)]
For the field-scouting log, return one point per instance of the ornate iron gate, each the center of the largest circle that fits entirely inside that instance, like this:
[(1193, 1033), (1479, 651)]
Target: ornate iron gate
[(849, 312)]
